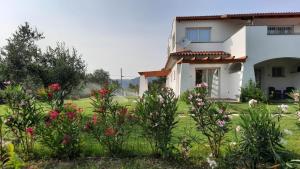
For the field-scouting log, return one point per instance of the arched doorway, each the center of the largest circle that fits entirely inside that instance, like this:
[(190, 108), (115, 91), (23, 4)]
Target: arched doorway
[(277, 77)]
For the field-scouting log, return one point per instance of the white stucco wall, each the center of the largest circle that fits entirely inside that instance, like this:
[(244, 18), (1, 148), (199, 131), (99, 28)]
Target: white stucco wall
[(261, 47), (143, 85)]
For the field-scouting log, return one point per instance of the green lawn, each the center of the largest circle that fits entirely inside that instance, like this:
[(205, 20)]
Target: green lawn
[(139, 148)]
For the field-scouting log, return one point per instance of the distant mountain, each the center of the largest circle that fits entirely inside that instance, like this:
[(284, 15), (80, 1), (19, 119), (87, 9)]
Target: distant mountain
[(134, 81)]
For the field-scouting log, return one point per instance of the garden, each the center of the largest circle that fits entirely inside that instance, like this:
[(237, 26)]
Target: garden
[(38, 130), (46, 123)]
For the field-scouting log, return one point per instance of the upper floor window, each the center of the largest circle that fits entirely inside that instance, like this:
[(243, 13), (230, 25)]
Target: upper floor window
[(280, 30), (198, 34), (277, 72)]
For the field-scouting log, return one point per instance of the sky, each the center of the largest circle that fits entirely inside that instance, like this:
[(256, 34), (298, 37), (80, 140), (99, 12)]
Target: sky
[(114, 34)]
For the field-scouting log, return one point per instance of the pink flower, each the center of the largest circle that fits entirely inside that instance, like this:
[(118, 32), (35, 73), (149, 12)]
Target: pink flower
[(202, 85), (54, 87), (71, 115), (30, 131), (53, 114), (95, 119), (103, 92), (221, 123), (110, 132), (66, 139)]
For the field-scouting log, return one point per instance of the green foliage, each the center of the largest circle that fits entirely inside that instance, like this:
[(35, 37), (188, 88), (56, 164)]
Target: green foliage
[(99, 76), (61, 65), (24, 63), (211, 118), (20, 54), (111, 122), (12, 160), (23, 116), (8, 157), (60, 131), (157, 111), (260, 137), (251, 91)]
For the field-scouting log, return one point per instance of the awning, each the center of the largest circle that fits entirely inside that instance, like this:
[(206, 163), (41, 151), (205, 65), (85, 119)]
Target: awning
[(158, 73)]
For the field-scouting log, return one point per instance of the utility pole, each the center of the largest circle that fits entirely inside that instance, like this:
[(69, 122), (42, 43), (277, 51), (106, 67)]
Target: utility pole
[(122, 82)]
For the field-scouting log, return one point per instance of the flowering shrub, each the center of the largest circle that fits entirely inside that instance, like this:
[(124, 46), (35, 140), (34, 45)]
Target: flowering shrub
[(111, 122), (157, 111), (52, 95), (23, 116), (61, 126), (211, 118), (260, 137)]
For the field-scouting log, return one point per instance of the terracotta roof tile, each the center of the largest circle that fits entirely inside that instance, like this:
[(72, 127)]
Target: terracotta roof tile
[(197, 53), (241, 16)]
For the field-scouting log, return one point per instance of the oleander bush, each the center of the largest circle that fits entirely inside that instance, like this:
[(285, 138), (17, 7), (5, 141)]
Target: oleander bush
[(60, 129), (211, 118), (22, 117), (157, 113), (111, 123), (259, 140)]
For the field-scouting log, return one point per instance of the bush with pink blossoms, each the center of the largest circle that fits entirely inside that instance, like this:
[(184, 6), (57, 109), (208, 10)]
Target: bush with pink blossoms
[(211, 118), (111, 122), (60, 130), (22, 117)]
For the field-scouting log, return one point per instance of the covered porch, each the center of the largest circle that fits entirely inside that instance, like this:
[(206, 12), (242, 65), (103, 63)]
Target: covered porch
[(143, 85), (278, 77)]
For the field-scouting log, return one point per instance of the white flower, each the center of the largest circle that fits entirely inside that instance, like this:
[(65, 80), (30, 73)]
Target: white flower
[(283, 141), (252, 102), (221, 123), (232, 143), (298, 114), (212, 163), (288, 132), (238, 129), (283, 108), (7, 82)]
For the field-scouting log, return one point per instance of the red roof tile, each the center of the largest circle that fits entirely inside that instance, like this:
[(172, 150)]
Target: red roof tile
[(241, 16), (211, 60), (197, 53)]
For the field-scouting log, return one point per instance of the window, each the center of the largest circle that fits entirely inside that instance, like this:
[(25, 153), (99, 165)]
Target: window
[(298, 69), (277, 72), (198, 34), (280, 30)]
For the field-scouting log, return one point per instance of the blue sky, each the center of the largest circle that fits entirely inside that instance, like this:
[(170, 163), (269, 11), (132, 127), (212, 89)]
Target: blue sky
[(111, 34)]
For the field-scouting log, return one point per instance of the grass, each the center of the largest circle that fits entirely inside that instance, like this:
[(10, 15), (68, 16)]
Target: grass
[(140, 150)]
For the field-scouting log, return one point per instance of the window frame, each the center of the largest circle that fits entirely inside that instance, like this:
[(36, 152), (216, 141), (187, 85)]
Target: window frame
[(274, 72), (198, 28)]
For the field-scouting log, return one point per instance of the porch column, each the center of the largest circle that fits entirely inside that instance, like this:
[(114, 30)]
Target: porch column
[(185, 81), (248, 73), (143, 85)]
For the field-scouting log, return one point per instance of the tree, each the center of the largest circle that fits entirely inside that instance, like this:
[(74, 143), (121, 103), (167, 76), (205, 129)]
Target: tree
[(61, 65), (20, 54), (99, 76), (134, 87), (159, 82)]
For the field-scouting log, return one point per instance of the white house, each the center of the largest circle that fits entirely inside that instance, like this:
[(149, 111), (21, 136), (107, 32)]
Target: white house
[(226, 51)]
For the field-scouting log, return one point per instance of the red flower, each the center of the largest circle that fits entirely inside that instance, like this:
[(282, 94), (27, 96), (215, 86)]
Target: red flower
[(103, 92), (50, 95), (110, 132), (87, 126), (54, 87), (53, 114), (30, 131), (123, 112), (95, 119), (66, 139), (71, 115)]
